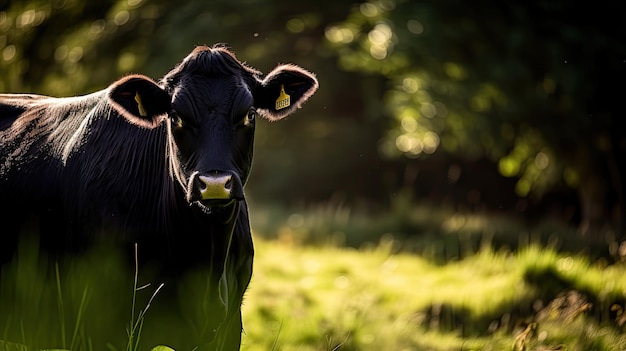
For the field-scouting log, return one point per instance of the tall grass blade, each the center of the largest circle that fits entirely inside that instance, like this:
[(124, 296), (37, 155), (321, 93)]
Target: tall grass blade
[(135, 328), (60, 304), (275, 343), (79, 317)]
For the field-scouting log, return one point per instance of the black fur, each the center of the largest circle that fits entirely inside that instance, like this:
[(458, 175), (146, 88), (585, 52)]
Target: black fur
[(97, 167)]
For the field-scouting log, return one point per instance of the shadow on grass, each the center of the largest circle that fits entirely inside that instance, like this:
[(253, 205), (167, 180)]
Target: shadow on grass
[(554, 299), (439, 234)]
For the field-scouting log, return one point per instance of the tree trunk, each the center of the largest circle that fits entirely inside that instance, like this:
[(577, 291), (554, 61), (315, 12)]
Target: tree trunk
[(601, 208)]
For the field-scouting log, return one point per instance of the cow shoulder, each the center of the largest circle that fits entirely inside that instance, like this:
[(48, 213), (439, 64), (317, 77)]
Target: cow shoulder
[(14, 105)]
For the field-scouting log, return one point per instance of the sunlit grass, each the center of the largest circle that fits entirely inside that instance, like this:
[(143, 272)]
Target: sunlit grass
[(318, 299), (381, 295)]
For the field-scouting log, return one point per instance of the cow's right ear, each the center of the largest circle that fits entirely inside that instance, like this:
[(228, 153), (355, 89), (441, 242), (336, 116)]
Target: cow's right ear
[(140, 100)]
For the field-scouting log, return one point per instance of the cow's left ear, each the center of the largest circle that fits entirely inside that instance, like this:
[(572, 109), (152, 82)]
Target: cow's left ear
[(283, 91), (140, 100)]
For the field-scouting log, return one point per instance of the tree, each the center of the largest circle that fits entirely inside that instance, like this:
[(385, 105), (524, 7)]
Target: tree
[(534, 86)]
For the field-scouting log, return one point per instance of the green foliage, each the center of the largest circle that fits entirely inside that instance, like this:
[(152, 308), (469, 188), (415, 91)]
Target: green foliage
[(521, 84)]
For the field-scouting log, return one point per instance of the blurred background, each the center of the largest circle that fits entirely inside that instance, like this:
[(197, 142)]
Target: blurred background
[(496, 108)]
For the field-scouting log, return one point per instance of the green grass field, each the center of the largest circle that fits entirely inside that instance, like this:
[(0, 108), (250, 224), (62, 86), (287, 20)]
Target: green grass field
[(304, 298), (326, 296)]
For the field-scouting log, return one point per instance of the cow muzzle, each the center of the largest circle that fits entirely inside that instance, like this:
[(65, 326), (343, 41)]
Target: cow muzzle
[(214, 188)]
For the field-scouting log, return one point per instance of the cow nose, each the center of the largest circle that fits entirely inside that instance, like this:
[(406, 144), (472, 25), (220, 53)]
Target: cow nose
[(217, 186)]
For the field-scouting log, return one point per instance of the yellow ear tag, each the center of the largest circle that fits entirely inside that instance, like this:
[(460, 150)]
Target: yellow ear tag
[(142, 110), (283, 100)]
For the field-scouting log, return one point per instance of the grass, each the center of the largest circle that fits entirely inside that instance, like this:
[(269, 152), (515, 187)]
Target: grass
[(465, 283), (136, 322), (319, 299)]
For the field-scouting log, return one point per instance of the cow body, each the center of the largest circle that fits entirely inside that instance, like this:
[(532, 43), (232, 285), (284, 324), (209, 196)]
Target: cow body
[(160, 164)]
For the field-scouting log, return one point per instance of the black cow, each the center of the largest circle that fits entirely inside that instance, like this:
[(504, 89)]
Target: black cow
[(159, 164)]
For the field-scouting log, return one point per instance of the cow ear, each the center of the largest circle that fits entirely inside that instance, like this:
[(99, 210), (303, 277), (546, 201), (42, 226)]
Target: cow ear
[(284, 90), (140, 100)]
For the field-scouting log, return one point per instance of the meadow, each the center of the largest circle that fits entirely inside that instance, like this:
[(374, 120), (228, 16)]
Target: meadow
[(329, 279)]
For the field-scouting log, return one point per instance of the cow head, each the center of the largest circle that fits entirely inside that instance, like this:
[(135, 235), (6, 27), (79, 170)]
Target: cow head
[(209, 103)]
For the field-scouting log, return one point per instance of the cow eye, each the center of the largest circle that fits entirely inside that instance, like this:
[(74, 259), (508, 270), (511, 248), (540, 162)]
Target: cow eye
[(176, 119), (250, 117)]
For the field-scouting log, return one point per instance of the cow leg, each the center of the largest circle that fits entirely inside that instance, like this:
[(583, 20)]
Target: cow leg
[(9, 244), (21, 230), (233, 334), (229, 335)]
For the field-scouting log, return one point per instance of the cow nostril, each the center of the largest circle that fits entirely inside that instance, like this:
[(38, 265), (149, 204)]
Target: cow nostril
[(202, 185), (215, 186)]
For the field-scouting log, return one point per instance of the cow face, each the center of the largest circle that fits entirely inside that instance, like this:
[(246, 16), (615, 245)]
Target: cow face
[(210, 103)]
